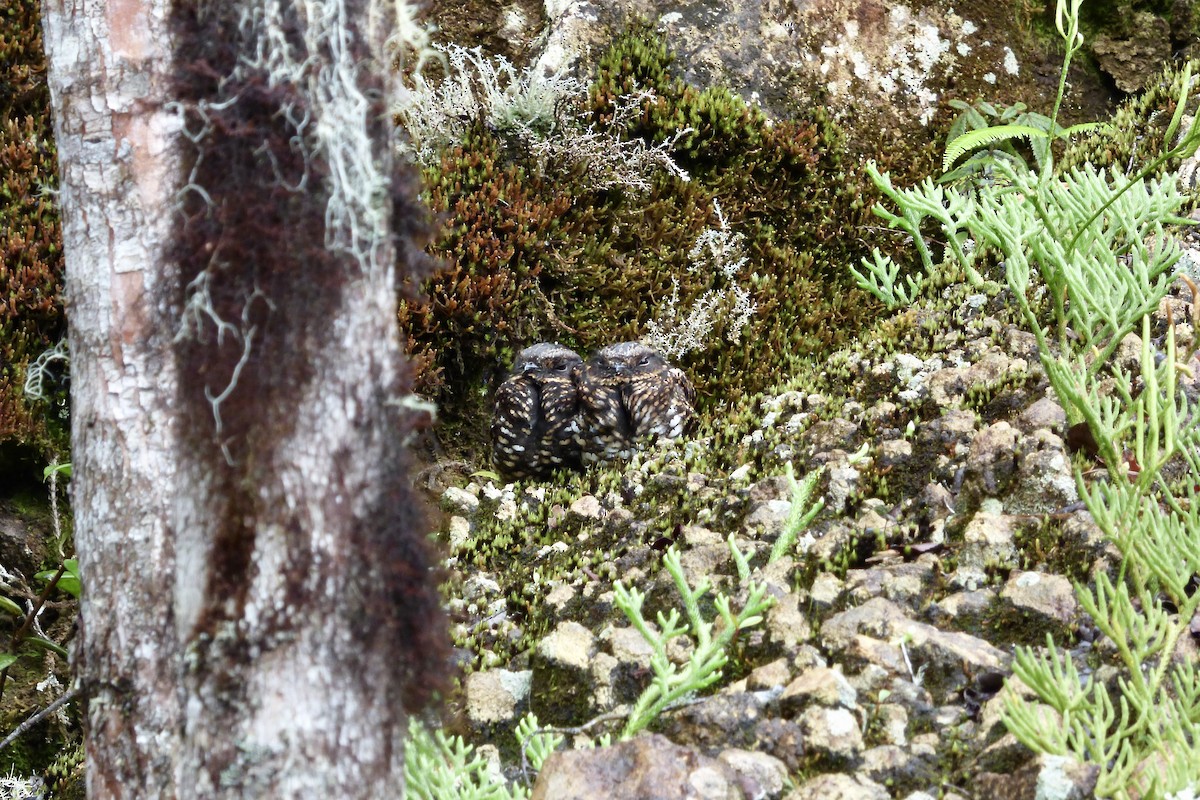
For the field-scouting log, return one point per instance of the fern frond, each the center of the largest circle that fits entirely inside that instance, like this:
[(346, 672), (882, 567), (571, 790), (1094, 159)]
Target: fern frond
[(973, 139)]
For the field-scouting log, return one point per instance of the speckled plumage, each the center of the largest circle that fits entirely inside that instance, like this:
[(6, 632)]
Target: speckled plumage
[(627, 393), (535, 422)]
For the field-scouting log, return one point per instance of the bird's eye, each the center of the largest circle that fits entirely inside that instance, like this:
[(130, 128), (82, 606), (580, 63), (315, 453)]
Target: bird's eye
[(645, 362), (561, 366)]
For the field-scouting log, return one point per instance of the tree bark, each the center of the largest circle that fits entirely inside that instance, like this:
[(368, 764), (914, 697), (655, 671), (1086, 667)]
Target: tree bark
[(257, 609)]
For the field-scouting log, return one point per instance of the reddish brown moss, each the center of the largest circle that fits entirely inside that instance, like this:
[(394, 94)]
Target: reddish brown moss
[(31, 314)]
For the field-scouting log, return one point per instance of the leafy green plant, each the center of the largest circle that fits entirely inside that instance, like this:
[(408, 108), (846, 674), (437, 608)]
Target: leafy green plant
[(442, 767), (710, 642), (1098, 244), (802, 512)]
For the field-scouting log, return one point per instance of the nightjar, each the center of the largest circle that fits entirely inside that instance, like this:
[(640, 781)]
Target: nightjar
[(535, 419), (627, 393)]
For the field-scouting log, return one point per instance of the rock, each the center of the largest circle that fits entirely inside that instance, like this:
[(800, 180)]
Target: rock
[(892, 452), (989, 540), (962, 608), (496, 695), (1045, 413), (896, 768), (787, 624), (1045, 479), (991, 463), (832, 735), (728, 719), (768, 517), (769, 676), (766, 772), (904, 583), (835, 786), (586, 508), (880, 632), (1048, 602), (826, 590), (649, 767), (819, 686), (459, 501), (561, 675), (831, 434), (891, 719), (1046, 777), (1134, 61), (955, 426)]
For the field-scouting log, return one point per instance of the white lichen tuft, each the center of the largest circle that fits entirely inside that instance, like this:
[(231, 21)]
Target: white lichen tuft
[(38, 371), (722, 253), (540, 112)]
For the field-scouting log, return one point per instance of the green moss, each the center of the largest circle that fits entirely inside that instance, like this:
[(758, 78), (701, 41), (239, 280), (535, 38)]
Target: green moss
[(533, 256)]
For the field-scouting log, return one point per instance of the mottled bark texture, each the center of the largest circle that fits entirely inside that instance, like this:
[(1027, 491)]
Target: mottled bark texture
[(258, 611)]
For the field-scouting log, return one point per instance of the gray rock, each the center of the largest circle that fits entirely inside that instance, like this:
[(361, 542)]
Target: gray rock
[(832, 734), (1134, 61), (561, 665), (896, 767), (650, 767), (835, 786), (907, 584), (776, 674), (1046, 777), (459, 501), (826, 590), (1045, 479), (818, 686), (765, 771), (496, 695), (586, 508), (831, 434), (989, 540), (787, 623), (1045, 413), (991, 463), (962, 608), (880, 632), (1047, 601), (722, 720)]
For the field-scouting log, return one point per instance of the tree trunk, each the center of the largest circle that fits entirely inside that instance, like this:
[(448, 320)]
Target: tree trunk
[(257, 609)]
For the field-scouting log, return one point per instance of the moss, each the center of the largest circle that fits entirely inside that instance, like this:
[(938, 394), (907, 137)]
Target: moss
[(31, 314), (533, 256), (1136, 133)]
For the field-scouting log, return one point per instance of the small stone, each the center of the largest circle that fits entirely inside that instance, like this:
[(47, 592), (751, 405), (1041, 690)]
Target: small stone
[(459, 533), (460, 501), (648, 767), (1045, 413), (787, 623), (769, 676), (820, 686), (1051, 597), (989, 540), (495, 695), (832, 733), (836, 786), (587, 508), (765, 771), (826, 590), (1045, 777)]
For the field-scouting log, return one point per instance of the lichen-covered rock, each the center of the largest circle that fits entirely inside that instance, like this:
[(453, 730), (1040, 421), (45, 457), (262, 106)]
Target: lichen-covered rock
[(649, 767), (836, 786)]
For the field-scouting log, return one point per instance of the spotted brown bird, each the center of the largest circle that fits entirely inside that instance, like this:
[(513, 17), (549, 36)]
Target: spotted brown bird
[(535, 421), (629, 393)]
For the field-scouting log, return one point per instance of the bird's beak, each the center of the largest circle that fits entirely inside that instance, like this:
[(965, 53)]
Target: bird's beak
[(528, 367)]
